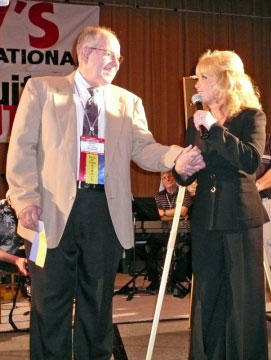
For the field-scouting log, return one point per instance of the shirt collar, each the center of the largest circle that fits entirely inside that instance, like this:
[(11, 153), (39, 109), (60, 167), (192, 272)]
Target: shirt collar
[(172, 194), (82, 86)]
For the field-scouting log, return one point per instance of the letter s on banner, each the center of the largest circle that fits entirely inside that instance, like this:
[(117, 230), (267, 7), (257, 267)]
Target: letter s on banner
[(51, 30)]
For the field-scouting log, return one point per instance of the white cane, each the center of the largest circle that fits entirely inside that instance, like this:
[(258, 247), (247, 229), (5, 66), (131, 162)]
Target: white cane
[(170, 248)]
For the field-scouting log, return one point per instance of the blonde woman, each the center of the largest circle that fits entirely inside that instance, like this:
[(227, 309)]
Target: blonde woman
[(227, 216)]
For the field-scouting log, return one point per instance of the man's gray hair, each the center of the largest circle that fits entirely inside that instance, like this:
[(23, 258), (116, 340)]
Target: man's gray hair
[(92, 35)]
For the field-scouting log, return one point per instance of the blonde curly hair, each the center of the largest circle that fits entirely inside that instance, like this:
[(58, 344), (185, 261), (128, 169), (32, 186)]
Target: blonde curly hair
[(234, 89)]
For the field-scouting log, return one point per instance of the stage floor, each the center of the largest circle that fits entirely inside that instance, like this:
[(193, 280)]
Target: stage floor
[(133, 320)]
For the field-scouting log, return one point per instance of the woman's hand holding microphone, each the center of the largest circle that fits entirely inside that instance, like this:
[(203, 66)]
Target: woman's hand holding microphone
[(204, 118)]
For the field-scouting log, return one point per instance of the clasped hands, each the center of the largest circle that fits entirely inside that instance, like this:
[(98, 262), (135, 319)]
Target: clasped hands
[(190, 161)]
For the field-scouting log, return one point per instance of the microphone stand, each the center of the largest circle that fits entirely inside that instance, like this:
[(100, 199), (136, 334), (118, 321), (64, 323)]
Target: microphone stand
[(134, 289)]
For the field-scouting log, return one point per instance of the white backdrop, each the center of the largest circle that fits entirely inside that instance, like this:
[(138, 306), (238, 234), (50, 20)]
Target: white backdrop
[(36, 39)]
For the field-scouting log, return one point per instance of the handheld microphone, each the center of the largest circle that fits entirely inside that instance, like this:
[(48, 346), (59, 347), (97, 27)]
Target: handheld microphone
[(197, 101)]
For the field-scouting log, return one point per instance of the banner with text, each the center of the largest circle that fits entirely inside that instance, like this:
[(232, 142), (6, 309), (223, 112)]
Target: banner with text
[(36, 39)]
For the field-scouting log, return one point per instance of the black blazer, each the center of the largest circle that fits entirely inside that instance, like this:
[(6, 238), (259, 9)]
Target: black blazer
[(226, 196)]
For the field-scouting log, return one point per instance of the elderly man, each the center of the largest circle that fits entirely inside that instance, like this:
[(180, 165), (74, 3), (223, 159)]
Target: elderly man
[(69, 165)]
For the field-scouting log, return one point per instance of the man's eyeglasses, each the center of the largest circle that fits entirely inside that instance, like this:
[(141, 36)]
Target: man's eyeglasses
[(110, 54)]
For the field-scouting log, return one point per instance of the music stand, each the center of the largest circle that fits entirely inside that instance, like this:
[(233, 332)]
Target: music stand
[(144, 209)]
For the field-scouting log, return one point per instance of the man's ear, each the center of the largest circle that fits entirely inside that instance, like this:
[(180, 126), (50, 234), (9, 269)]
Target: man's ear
[(85, 53)]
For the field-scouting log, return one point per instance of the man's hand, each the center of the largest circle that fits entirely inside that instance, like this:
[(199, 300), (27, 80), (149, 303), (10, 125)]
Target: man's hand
[(190, 161), (30, 216)]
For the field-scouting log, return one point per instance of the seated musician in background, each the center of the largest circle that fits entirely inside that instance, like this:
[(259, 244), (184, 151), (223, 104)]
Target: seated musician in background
[(12, 258), (263, 184), (166, 203)]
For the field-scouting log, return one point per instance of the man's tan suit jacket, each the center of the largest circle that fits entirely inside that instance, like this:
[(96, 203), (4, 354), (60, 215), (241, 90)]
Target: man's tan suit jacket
[(42, 156)]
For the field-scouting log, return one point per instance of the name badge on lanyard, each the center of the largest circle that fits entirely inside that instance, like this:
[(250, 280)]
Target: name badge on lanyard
[(92, 160)]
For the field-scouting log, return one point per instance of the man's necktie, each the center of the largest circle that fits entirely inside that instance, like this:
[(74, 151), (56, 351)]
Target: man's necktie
[(91, 114)]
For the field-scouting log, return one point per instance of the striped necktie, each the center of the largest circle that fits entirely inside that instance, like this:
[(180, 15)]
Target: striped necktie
[(91, 114)]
